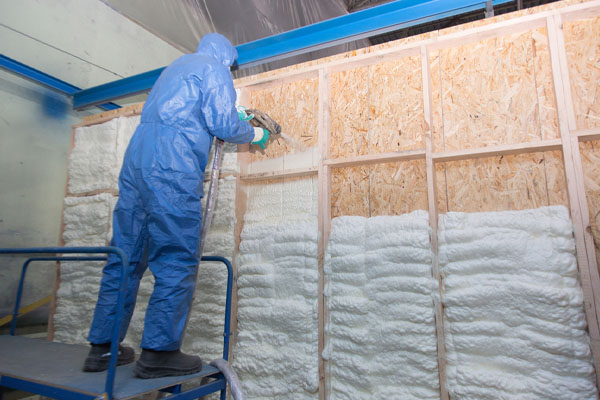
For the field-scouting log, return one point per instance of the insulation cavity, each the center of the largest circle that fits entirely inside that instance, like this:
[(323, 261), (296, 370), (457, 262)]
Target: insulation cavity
[(97, 155), (514, 321), (86, 223), (380, 331), (276, 355), (93, 162)]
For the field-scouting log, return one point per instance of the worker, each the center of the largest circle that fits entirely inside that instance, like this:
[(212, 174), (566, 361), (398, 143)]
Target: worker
[(158, 214)]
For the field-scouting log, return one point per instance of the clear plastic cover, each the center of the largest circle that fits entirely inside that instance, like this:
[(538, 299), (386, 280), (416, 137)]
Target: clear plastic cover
[(183, 22)]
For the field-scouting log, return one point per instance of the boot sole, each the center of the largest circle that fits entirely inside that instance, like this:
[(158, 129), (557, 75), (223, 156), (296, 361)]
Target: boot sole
[(151, 372), (99, 365)]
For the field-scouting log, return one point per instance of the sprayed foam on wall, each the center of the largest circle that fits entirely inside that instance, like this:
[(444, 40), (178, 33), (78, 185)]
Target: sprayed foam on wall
[(94, 165), (514, 320), (380, 331), (276, 354), (86, 223)]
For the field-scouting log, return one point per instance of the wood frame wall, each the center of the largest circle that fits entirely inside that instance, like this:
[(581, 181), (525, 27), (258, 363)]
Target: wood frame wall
[(568, 143)]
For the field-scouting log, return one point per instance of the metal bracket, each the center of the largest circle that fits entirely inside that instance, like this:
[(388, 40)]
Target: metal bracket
[(489, 9)]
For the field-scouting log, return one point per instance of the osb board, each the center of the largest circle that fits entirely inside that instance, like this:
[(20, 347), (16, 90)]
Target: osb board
[(515, 182), (381, 189), (398, 188), (350, 191), (294, 106), (582, 42), (493, 92), (396, 106), (349, 107), (590, 159), (377, 109)]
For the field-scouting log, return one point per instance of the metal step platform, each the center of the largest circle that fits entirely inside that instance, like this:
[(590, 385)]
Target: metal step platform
[(54, 369)]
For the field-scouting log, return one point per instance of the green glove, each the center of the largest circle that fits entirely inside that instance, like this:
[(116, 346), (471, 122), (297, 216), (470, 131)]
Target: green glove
[(243, 114), (260, 137)]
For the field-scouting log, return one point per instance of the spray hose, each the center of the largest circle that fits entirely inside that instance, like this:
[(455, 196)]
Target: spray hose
[(231, 378)]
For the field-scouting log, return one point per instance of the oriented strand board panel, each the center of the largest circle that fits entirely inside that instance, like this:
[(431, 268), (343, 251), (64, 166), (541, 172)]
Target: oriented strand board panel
[(383, 189), (590, 158), (270, 100), (396, 106), (377, 108), (294, 106), (350, 191), (582, 41), (503, 183), (349, 103), (398, 188), (493, 92)]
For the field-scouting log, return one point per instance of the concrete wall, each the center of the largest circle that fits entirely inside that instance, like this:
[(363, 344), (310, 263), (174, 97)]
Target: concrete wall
[(85, 43)]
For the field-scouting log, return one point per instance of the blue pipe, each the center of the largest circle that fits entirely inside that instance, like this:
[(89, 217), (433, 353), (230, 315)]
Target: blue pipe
[(44, 79), (373, 21), (13, 323), (114, 344)]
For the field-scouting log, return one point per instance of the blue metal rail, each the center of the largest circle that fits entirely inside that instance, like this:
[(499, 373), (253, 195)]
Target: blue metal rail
[(377, 20), (44, 79), (64, 392), (112, 364), (15, 315)]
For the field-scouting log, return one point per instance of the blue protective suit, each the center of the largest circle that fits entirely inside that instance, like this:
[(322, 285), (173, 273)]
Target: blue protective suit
[(158, 214)]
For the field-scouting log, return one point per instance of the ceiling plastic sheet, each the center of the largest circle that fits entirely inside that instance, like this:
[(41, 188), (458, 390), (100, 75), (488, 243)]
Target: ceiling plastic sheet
[(183, 22)]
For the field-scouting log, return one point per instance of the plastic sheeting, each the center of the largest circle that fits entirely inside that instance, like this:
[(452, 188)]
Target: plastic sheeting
[(183, 22)]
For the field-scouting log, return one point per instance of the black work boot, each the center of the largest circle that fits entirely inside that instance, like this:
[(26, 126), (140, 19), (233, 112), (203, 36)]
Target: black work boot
[(156, 364), (99, 355)]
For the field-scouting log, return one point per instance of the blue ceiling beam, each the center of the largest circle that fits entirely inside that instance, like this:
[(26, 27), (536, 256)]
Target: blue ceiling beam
[(373, 21), (44, 79)]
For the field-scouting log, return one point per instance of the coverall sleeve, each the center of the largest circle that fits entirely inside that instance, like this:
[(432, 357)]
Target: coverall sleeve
[(221, 116)]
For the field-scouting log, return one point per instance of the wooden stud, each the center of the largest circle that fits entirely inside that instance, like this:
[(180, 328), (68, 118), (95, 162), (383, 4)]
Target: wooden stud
[(290, 173), (433, 221), (585, 135), (375, 158), (324, 218), (128, 111), (502, 150), (588, 284)]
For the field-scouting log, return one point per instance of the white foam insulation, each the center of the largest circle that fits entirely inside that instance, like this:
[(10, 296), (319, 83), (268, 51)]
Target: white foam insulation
[(276, 355), (514, 321), (380, 330)]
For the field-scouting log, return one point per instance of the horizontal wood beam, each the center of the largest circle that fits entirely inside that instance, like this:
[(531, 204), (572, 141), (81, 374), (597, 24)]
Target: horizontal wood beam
[(585, 135), (291, 173), (501, 150), (376, 158)]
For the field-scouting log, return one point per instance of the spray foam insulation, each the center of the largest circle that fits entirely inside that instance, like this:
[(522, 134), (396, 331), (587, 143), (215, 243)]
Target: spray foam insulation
[(276, 350), (514, 321), (94, 165), (381, 338)]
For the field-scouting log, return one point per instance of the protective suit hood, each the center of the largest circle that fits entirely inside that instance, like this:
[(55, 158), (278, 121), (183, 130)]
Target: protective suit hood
[(217, 46)]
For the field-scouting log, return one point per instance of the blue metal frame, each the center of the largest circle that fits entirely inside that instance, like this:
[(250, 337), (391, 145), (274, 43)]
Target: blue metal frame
[(373, 21), (34, 387), (15, 314), (44, 79)]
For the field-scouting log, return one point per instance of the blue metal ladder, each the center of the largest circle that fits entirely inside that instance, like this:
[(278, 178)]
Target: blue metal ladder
[(55, 369)]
